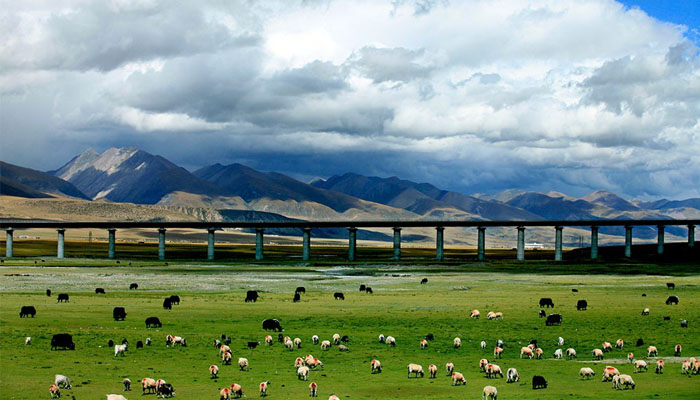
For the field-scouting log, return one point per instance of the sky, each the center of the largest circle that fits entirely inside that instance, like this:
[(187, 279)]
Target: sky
[(475, 96)]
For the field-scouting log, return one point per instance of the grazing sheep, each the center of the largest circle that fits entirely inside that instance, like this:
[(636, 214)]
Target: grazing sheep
[(497, 352), (314, 339), (148, 385), (423, 344), (620, 344), (333, 397), (586, 373), (490, 393), (28, 340), (225, 394), (313, 389), (457, 343), (538, 353), (289, 345), (492, 370), (686, 367), (652, 351), (494, 315), (474, 314), (458, 378), (558, 354), (303, 373), (607, 347), (342, 347), (598, 354), (415, 369), (560, 341), (148, 341), (214, 371), (630, 357), (659, 366), (268, 340), (571, 353), (116, 397), (297, 343), (325, 345), (243, 363), (127, 384), (62, 381), (55, 392), (527, 352), (512, 375), (483, 344), (624, 380), (677, 350), (263, 388), (236, 391), (382, 339), (640, 365), (391, 341), (314, 363), (376, 367), (609, 372), (499, 343), (120, 349), (482, 364), (299, 362), (226, 358), (449, 367), (224, 349), (432, 370), (684, 323), (645, 311), (336, 338)]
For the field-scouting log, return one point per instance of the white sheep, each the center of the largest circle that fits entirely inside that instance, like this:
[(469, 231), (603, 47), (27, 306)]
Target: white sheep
[(391, 341), (120, 349), (512, 375), (571, 353), (297, 342), (474, 314), (526, 351), (640, 365), (432, 370), (560, 342), (268, 340), (626, 381), (490, 393), (458, 378), (382, 339), (28, 340), (659, 366), (336, 338), (325, 345), (214, 371), (313, 389), (415, 369), (492, 370), (423, 344), (314, 339), (243, 363), (586, 373), (620, 344), (483, 363), (61, 381), (598, 354), (645, 311), (483, 344), (497, 352), (376, 367), (558, 354), (609, 373), (289, 345), (449, 367), (303, 373), (652, 351), (457, 342), (116, 397)]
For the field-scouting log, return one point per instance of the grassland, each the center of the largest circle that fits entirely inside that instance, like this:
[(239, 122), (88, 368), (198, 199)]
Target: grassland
[(213, 304)]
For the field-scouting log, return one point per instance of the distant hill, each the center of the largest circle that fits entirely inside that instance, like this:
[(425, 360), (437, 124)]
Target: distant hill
[(611, 200), (25, 182), (130, 175), (420, 198)]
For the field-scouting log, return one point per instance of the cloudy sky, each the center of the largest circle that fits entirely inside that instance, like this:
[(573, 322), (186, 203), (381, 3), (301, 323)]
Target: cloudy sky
[(475, 96)]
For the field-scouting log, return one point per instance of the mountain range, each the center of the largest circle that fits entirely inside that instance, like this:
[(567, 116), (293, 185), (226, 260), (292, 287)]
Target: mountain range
[(131, 175)]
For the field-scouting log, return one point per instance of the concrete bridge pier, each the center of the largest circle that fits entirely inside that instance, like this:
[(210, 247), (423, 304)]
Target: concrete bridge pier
[(60, 253), (660, 240), (161, 243), (481, 243), (259, 237), (352, 243), (628, 241), (397, 243), (8, 242), (440, 243), (691, 235), (521, 243), (210, 243), (594, 242), (557, 243), (110, 242), (306, 245)]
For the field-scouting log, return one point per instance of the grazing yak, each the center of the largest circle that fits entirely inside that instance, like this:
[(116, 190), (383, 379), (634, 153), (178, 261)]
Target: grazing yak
[(252, 345), (542, 314), (153, 322), (363, 287), (63, 298), (272, 325), (338, 296), (251, 295), (684, 323), (546, 302), (27, 311), (424, 281), (99, 290), (175, 300), (300, 289), (133, 286), (538, 382), (119, 313), (368, 290), (167, 304), (553, 319), (581, 305), (671, 285), (672, 300), (62, 340), (296, 298), (48, 292)]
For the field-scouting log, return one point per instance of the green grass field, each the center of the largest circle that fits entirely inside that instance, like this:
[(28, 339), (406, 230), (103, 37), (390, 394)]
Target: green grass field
[(212, 304)]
